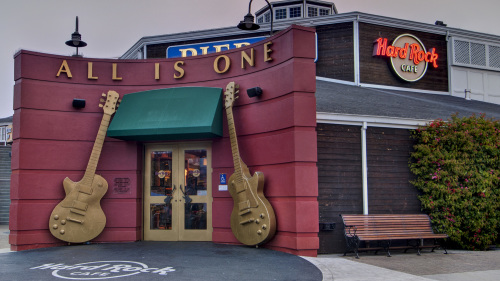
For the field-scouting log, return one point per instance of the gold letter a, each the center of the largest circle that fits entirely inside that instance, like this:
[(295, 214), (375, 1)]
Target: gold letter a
[(64, 68)]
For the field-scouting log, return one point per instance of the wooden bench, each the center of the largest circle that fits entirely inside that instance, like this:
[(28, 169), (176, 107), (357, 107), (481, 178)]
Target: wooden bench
[(383, 229)]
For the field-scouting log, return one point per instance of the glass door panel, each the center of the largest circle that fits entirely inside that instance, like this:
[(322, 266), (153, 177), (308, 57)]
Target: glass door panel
[(177, 193), (161, 173), (198, 205), (195, 167), (159, 190), (195, 215), (161, 216)]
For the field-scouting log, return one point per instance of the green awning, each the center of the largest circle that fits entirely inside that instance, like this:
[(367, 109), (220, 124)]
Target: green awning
[(169, 114)]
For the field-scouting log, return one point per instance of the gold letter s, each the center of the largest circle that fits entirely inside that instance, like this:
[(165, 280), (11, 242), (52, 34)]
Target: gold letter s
[(178, 69)]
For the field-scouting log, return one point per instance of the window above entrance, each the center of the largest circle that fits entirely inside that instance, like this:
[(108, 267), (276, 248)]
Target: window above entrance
[(169, 114)]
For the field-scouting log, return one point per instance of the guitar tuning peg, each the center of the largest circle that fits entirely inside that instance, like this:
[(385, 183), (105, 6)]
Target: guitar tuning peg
[(236, 86), (120, 100), (237, 97), (100, 105), (102, 100), (237, 92), (104, 94)]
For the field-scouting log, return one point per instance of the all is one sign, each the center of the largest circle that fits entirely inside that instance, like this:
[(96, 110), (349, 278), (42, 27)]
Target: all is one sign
[(408, 56)]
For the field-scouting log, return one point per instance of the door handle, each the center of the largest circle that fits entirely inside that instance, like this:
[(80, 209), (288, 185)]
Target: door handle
[(186, 196), (169, 197)]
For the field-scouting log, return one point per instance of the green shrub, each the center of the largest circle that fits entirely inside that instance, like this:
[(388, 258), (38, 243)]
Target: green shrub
[(457, 168)]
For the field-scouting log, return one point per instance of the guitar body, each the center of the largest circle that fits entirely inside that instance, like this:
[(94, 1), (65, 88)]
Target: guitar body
[(79, 217), (253, 221)]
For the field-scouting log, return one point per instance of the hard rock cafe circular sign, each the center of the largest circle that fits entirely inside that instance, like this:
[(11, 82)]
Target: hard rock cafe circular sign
[(408, 56), (196, 173), (406, 68)]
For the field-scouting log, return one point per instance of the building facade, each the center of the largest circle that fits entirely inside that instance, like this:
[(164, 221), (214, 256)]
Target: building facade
[(144, 165), (330, 131), (366, 102)]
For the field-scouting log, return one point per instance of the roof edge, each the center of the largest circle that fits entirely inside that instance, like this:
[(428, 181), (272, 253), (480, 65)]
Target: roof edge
[(311, 22)]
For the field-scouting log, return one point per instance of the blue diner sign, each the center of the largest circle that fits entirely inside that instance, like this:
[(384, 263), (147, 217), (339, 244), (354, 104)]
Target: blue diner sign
[(209, 47)]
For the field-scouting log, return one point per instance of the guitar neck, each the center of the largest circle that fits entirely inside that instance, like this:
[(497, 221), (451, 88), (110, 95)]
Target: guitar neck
[(96, 150), (234, 143)]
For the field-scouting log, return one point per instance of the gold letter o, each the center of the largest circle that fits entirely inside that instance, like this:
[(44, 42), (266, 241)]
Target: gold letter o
[(216, 64)]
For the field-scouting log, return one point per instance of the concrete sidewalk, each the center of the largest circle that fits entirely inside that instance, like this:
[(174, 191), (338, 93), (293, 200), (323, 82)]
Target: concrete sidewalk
[(456, 266), (4, 238)]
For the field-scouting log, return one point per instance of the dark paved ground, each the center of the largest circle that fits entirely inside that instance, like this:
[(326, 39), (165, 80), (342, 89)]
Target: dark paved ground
[(155, 261)]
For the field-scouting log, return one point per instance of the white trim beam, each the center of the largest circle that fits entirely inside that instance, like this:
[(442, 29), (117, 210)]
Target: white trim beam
[(372, 121)]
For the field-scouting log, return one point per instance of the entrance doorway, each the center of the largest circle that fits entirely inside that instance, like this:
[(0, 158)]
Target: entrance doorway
[(178, 192)]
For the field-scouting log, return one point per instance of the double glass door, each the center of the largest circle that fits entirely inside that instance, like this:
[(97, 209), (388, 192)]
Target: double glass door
[(177, 193)]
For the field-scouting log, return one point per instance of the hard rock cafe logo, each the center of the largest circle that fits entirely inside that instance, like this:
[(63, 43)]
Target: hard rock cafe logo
[(163, 174), (196, 173), (99, 270), (409, 58)]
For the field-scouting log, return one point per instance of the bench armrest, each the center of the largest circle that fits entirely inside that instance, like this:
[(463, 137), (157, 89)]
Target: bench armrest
[(350, 230)]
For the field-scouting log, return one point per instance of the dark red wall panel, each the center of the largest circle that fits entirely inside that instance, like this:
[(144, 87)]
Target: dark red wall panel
[(73, 155), (46, 184)]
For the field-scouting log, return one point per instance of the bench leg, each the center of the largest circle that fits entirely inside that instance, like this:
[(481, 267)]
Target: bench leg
[(386, 245), (437, 244), (352, 245), (414, 244)]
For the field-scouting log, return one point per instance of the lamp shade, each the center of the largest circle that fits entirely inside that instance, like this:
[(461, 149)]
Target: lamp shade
[(248, 23)]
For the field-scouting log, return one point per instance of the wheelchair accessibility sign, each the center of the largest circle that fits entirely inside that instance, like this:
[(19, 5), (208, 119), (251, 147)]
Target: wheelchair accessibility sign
[(222, 182), (223, 178)]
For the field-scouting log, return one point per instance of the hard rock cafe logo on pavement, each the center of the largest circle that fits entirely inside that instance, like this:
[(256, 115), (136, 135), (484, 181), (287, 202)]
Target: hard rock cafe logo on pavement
[(99, 270), (408, 56)]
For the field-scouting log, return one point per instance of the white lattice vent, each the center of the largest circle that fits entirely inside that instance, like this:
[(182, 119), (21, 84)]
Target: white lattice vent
[(462, 52), (494, 56), (478, 54)]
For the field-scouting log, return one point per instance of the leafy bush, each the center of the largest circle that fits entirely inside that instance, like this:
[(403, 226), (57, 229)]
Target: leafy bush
[(457, 168)]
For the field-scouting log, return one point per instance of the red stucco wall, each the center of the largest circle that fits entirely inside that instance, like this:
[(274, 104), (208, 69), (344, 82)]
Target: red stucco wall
[(276, 134)]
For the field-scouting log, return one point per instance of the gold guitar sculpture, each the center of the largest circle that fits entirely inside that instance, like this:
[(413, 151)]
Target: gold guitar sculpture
[(78, 217), (252, 220)]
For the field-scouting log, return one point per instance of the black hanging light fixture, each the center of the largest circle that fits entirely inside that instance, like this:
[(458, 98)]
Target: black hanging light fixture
[(76, 40), (248, 21)]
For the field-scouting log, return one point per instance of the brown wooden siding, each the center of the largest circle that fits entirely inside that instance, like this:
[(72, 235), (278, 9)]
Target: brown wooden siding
[(335, 51), (339, 176), (377, 70), (389, 188), (340, 182)]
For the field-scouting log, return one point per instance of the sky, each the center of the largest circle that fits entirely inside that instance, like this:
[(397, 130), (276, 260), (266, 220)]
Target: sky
[(111, 27)]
